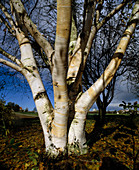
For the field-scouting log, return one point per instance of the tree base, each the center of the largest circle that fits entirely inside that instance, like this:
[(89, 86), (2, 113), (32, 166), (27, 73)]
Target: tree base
[(76, 149), (55, 153)]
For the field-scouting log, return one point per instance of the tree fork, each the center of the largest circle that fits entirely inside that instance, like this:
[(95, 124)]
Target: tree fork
[(82, 106)]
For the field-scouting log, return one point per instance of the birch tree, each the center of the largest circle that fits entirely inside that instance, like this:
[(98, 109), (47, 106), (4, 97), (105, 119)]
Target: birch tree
[(99, 58), (64, 124)]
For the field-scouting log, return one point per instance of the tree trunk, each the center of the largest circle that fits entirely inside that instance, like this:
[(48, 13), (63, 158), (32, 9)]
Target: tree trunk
[(102, 110), (55, 127), (40, 97), (102, 113), (59, 75), (76, 137), (76, 134)]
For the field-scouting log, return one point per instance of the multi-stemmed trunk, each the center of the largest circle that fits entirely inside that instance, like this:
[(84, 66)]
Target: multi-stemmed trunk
[(69, 100)]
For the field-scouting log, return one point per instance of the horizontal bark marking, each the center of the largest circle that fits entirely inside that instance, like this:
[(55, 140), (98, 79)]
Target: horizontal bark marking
[(63, 25), (40, 95), (58, 131), (60, 93), (80, 111), (22, 39), (59, 124), (62, 114), (122, 45), (91, 91), (24, 43)]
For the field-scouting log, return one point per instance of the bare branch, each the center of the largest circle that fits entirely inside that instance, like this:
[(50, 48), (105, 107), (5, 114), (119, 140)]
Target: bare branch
[(7, 15), (89, 8), (98, 10), (31, 27), (94, 91), (12, 65), (99, 25), (33, 7), (7, 25), (12, 58), (111, 14)]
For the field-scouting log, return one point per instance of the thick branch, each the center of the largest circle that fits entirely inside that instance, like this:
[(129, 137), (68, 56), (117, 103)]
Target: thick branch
[(12, 65), (99, 25), (87, 23), (31, 27), (12, 58), (78, 55), (7, 16), (60, 61), (7, 25), (76, 60), (94, 91), (98, 10)]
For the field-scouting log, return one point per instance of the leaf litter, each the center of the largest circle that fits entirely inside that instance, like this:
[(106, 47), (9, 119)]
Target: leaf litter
[(114, 145)]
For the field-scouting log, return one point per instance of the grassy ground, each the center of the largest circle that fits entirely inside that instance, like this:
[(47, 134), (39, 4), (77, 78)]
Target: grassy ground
[(28, 113), (113, 145)]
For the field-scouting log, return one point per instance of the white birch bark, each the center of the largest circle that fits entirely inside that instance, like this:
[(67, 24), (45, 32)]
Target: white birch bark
[(32, 28), (30, 71), (12, 65), (80, 54), (59, 74), (40, 97), (84, 103), (55, 131)]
